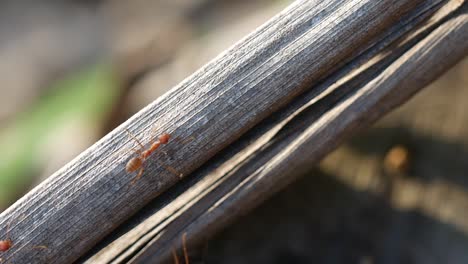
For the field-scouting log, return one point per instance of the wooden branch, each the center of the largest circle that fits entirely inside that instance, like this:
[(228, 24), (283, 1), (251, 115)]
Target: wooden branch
[(76, 207), (278, 149)]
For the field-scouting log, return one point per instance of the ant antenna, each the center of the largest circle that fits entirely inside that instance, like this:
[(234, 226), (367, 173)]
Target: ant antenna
[(184, 246), (171, 169), (174, 256), (134, 137)]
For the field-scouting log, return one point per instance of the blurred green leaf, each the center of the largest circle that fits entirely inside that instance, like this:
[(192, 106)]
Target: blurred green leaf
[(87, 95)]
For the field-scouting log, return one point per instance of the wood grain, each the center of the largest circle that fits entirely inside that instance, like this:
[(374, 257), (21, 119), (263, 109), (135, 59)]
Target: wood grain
[(264, 72), (278, 149)]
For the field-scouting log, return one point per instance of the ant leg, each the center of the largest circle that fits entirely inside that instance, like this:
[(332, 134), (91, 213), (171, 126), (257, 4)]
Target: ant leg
[(126, 150), (171, 170), (174, 256), (140, 172), (184, 247), (40, 247), (135, 138)]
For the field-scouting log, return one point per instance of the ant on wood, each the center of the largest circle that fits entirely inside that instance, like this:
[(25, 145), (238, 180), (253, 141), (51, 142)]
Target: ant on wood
[(6, 244), (136, 163)]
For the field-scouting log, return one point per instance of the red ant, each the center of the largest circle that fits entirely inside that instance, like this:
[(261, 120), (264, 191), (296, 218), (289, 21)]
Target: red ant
[(136, 163), (6, 244)]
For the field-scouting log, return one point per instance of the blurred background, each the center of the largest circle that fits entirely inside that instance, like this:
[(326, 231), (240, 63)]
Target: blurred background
[(70, 71)]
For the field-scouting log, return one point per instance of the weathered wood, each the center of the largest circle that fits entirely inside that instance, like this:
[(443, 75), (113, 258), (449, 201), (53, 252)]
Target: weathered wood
[(87, 199), (284, 145)]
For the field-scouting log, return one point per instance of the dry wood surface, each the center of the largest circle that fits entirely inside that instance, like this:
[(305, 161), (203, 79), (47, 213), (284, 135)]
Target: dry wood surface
[(293, 89)]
